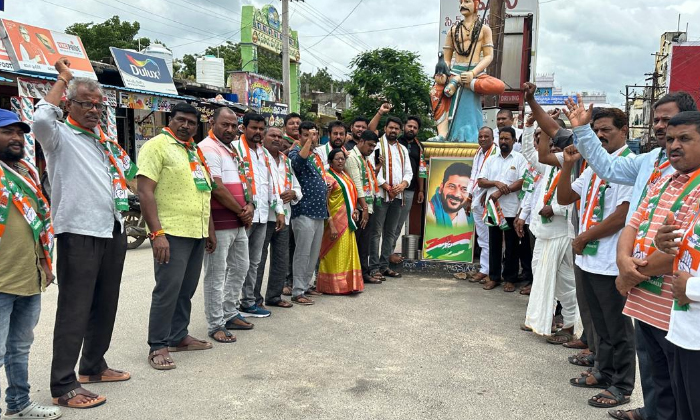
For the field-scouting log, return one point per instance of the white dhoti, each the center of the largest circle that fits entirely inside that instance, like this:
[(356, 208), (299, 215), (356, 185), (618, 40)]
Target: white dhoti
[(553, 279), (482, 234)]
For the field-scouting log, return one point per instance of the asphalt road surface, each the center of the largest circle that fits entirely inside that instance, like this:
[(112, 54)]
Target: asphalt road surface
[(412, 348)]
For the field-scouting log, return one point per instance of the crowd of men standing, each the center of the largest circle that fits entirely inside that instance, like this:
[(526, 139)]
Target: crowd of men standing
[(598, 233)]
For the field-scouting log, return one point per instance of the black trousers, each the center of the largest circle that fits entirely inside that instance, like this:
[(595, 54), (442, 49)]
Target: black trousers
[(363, 238), (89, 273), (517, 252), (279, 264), (591, 338), (171, 300), (289, 282), (616, 355), (686, 387), (661, 354)]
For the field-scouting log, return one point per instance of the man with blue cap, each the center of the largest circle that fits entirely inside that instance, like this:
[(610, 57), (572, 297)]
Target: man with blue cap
[(26, 245)]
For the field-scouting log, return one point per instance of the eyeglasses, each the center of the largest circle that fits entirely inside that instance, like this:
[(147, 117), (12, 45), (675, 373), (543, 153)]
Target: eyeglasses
[(87, 105)]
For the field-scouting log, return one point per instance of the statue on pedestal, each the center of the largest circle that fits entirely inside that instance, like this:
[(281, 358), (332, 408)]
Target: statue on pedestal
[(470, 43)]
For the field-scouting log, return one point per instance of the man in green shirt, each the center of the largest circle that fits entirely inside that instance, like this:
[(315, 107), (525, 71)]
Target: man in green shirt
[(26, 245), (175, 186)]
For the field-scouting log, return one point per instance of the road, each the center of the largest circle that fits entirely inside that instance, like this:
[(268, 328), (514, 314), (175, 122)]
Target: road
[(411, 348)]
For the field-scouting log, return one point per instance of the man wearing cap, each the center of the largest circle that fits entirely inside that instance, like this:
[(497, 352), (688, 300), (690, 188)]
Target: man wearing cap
[(88, 174), (26, 245)]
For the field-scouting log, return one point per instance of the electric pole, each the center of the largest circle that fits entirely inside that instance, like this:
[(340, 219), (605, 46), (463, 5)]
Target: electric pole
[(497, 21), (286, 86)]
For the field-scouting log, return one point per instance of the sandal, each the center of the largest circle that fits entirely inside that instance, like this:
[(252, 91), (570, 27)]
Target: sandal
[(92, 379), (509, 287), (575, 344), (302, 300), (625, 414), (587, 360), (391, 273), (228, 337), (34, 411), (613, 393), (478, 278), (491, 284), (281, 304), (525, 290), (287, 291), (167, 359), (65, 400), (194, 344), (396, 258), (378, 276), (560, 337), (582, 381)]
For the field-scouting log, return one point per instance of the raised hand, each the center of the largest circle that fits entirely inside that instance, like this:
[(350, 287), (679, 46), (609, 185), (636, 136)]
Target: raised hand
[(571, 154), (529, 89), (385, 108), (577, 113)]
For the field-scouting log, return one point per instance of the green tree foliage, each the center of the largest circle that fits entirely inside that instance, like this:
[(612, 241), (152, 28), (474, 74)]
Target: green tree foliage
[(321, 81), (389, 75), (269, 63), (98, 37)]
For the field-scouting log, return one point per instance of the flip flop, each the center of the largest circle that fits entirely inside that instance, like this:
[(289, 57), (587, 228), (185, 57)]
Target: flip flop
[(194, 345), (92, 379), (156, 366), (391, 273), (226, 334)]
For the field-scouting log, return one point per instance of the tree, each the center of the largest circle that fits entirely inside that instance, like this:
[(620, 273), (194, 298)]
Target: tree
[(319, 82), (388, 75), (97, 38)]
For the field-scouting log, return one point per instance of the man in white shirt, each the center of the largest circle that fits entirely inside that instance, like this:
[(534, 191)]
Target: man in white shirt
[(393, 178), (505, 118), (602, 212), (231, 213), (278, 239), (552, 259), (336, 132), (487, 148), (501, 175), (263, 191)]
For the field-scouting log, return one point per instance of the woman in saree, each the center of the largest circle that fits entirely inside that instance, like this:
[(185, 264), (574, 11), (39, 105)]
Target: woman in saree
[(339, 272)]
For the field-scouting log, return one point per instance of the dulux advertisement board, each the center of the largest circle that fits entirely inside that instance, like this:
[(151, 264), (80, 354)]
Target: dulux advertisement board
[(141, 71)]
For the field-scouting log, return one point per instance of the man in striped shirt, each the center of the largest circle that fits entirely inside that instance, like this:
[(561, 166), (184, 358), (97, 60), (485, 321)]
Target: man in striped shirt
[(650, 299)]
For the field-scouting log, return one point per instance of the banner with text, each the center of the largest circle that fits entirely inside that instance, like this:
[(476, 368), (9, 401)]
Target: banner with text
[(141, 71), (37, 49)]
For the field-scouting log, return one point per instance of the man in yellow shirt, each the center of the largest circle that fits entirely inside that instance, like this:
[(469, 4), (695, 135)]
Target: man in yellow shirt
[(174, 187)]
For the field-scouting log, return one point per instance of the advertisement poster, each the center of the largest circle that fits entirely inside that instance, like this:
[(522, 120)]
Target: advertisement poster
[(37, 49), (274, 113), (5, 61), (262, 90), (449, 232), (153, 103), (141, 71)]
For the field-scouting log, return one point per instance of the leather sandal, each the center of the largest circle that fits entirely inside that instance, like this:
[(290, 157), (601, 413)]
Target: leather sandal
[(194, 344), (152, 355), (65, 400), (93, 379)]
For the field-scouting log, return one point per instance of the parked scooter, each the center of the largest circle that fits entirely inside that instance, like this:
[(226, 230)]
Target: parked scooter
[(134, 223)]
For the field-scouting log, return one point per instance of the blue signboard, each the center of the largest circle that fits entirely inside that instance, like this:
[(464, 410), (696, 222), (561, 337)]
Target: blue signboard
[(553, 100), (543, 92), (141, 71)]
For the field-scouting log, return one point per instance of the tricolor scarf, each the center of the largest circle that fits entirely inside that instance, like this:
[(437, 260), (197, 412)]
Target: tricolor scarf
[(370, 185), (595, 205), (422, 167), (326, 150), (530, 178), (244, 151), (388, 167), (287, 176), (552, 184), (688, 257), (488, 153), (442, 218), (17, 189), (660, 165), (347, 187), (198, 165), (493, 212), (654, 283), (241, 170), (121, 167)]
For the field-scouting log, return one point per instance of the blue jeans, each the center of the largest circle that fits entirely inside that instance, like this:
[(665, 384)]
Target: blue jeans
[(18, 317)]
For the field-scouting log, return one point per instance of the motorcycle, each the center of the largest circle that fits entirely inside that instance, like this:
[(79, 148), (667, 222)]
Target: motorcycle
[(134, 223)]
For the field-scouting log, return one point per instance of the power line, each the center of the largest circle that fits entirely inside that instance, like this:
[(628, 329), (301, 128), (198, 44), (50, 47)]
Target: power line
[(304, 14), (338, 25), (330, 22), (375, 30)]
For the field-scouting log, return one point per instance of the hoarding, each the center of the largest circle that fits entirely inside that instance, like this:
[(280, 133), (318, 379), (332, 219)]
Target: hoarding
[(37, 49), (5, 61), (449, 231), (141, 71), (262, 90), (266, 27), (684, 69)]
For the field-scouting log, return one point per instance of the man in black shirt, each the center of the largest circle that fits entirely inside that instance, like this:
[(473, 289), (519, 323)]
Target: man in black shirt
[(358, 126)]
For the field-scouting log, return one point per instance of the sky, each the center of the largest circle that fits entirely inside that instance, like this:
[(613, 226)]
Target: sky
[(591, 45)]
